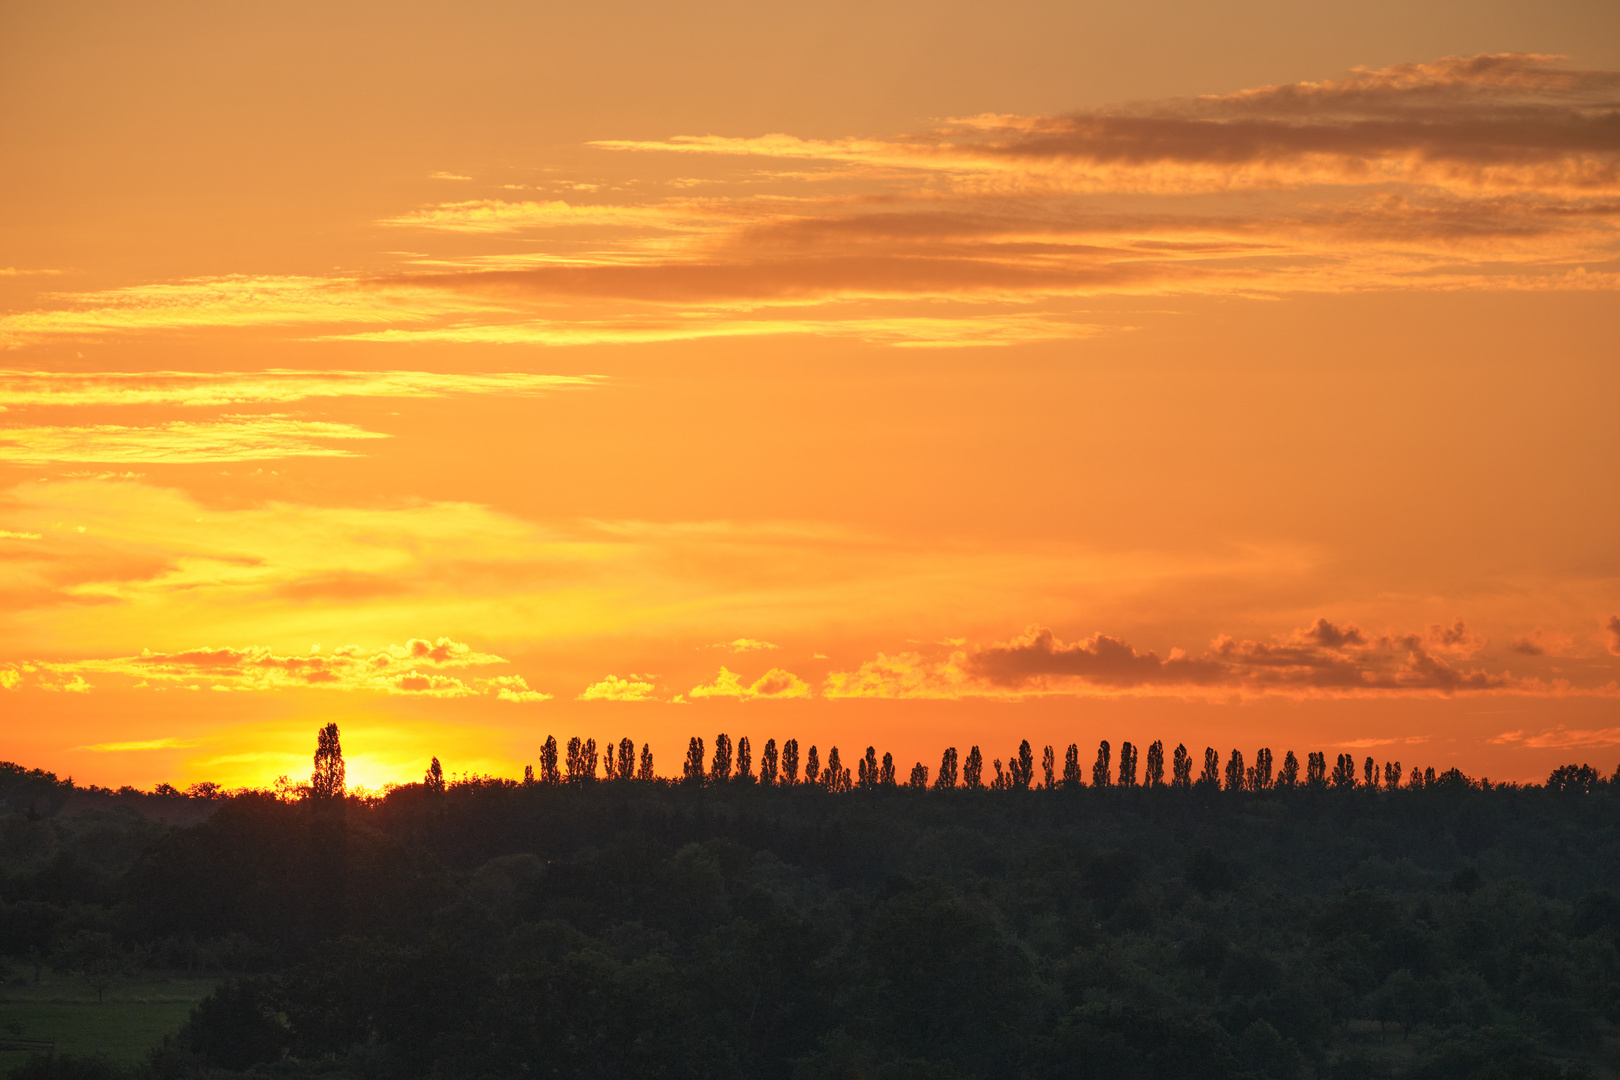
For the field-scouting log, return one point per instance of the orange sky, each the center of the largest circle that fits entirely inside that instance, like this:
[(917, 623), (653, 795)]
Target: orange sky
[(881, 373)]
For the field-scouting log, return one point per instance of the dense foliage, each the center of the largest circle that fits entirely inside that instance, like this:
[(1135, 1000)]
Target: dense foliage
[(731, 929)]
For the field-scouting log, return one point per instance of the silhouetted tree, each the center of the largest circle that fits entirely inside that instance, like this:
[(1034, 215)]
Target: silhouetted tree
[(589, 759), (1344, 771), (1071, 766), (693, 772), (745, 760), (627, 758), (548, 762), (1428, 777), (1262, 770), (1127, 765), (767, 763), (1154, 775), (1369, 774), (947, 770), (1392, 775), (919, 777), (835, 776), (1315, 769), (790, 762), (1026, 766), (1048, 769), (1581, 779), (886, 770), (528, 776), (868, 768), (576, 759), (609, 763), (720, 767), (433, 780), (1288, 775), (645, 771), (1099, 768), (1002, 781), (1181, 767), (1210, 777), (327, 781), (973, 769), (812, 767), (1236, 777)]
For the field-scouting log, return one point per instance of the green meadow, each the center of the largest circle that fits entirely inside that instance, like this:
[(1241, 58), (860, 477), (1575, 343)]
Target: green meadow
[(133, 1016)]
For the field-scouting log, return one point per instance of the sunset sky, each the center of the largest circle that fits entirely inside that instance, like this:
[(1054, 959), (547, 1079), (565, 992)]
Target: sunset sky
[(865, 373)]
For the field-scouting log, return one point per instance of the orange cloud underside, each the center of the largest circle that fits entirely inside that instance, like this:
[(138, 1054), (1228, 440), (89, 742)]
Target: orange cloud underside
[(1277, 416)]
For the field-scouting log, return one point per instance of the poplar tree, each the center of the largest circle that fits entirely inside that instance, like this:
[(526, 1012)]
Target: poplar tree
[(588, 759), (745, 760), (835, 768), (1026, 766), (1071, 766), (886, 775), (645, 772), (327, 780), (720, 768), (1369, 774), (693, 773), (1392, 775), (1288, 777), (1099, 768), (1049, 769), (1344, 771), (868, 767), (1002, 781), (973, 769), (1315, 769), (1154, 776), (1211, 776), (548, 762), (919, 777), (627, 758), (610, 768), (528, 776), (1235, 776), (576, 760), (767, 763), (812, 767), (1181, 767), (947, 770), (1415, 781), (433, 780), (790, 762), (1262, 769), (1428, 776), (1127, 765)]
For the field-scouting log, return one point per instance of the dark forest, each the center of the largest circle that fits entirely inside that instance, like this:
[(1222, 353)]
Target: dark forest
[(1199, 917)]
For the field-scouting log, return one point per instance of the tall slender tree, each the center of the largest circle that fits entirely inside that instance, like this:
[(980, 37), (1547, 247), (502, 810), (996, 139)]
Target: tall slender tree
[(767, 763), (812, 767), (1025, 774), (973, 769), (1002, 781), (1181, 767), (720, 767), (745, 760), (433, 779), (1428, 777), (1048, 769), (693, 773), (1288, 775), (1127, 765), (576, 760), (1071, 766), (645, 769), (947, 770), (1099, 768), (1392, 775), (834, 771), (868, 766), (790, 762), (886, 776), (919, 777), (1262, 769), (589, 759), (328, 778), (528, 776), (627, 758), (1315, 769), (548, 762), (1154, 775), (1344, 771), (1369, 774), (1236, 777), (610, 767)]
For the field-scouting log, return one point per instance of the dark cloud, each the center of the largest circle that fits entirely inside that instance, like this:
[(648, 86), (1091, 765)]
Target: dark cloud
[(1613, 627)]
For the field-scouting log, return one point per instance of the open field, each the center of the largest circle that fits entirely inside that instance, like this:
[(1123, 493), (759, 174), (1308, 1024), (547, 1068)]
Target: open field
[(133, 1016)]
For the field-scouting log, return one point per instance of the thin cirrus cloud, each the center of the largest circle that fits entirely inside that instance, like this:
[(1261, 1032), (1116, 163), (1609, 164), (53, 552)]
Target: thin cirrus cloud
[(420, 667), (1487, 172), (202, 389), (232, 438)]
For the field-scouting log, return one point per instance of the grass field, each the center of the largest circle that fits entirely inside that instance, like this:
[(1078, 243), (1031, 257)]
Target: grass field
[(133, 1017)]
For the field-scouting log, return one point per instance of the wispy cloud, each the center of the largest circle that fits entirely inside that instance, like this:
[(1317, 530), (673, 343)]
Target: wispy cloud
[(128, 747), (201, 389), (232, 438)]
